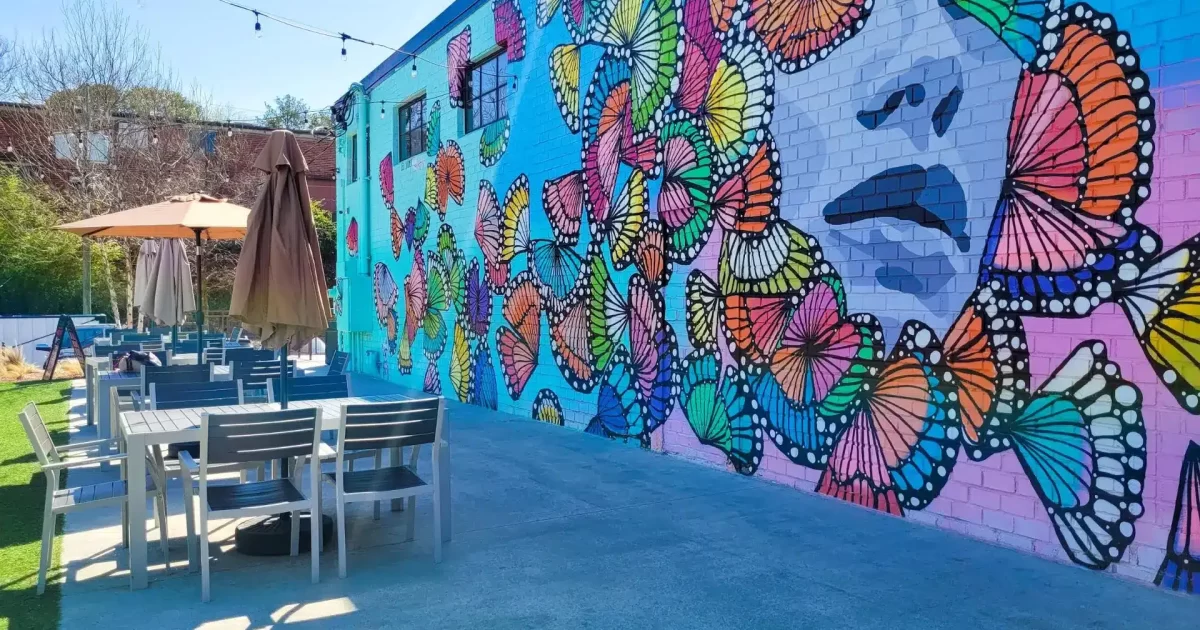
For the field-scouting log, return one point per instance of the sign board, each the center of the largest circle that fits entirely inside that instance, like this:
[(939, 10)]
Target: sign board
[(66, 326)]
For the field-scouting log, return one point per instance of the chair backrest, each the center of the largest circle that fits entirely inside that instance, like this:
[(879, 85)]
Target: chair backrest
[(338, 364), (160, 330), (254, 374), (247, 354), (185, 395), (152, 346), (255, 437), (235, 334), (38, 434), (113, 351), (310, 388), (172, 374), (139, 338), (216, 355), (388, 425)]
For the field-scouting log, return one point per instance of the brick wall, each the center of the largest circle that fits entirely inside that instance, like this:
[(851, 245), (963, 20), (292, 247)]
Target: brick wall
[(923, 260)]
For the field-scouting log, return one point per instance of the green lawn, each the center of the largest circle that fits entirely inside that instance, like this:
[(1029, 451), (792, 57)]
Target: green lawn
[(22, 492)]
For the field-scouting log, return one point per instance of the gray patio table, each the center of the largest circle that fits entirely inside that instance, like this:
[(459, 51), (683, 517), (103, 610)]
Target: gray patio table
[(145, 428)]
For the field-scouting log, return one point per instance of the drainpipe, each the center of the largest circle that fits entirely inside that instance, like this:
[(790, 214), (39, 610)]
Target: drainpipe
[(363, 124)]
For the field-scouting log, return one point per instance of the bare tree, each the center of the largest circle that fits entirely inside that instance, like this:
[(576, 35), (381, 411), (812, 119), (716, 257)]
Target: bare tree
[(8, 66), (107, 128)]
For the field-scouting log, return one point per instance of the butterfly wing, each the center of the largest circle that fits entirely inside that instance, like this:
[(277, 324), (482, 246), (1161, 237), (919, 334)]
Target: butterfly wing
[(478, 302), (510, 27), (433, 196), (483, 381), (397, 230), (387, 183), (546, 408), (458, 58), (433, 130), (386, 292), (701, 51), (514, 234), (654, 61), (570, 342), (817, 346), (546, 10), (779, 262), (747, 200), (1017, 22), (721, 412), (1163, 303), (607, 308), (451, 176), (987, 354), (564, 79), (740, 99), (623, 227), (493, 142), (433, 381), (1082, 443), (703, 303), (1182, 561), (562, 198), (650, 254), (518, 346), (683, 197), (352, 237), (460, 363), (1079, 166), (607, 129), (404, 362), (653, 352), (556, 269), (619, 409), (488, 223), (801, 32)]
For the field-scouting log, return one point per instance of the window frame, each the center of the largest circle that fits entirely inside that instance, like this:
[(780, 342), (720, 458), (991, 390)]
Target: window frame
[(406, 134), (475, 100), (353, 158)]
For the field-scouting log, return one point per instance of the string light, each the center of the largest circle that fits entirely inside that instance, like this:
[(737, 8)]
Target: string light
[(257, 26), (344, 38), (11, 149), (382, 113), (154, 140), (414, 70)]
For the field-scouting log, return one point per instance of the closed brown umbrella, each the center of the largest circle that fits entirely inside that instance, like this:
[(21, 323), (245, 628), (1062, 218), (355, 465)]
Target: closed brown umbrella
[(167, 297), (279, 290)]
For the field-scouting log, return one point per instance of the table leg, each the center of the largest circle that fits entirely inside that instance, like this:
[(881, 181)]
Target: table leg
[(444, 474), (137, 511), (89, 399)]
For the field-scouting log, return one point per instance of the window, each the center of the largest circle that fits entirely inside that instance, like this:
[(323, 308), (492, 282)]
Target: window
[(410, 123), (69, 146), (353, 158), (487, 91)]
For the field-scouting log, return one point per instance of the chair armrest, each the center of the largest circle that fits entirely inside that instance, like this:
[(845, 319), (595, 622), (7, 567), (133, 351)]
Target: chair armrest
[(187, 463), (83, 462), (79, 446)]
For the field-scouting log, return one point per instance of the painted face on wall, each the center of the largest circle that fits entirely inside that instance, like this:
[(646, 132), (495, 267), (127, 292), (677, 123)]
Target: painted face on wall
[(893, 152)]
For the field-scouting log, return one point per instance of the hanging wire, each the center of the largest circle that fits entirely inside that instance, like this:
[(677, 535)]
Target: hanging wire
[(315, 30)]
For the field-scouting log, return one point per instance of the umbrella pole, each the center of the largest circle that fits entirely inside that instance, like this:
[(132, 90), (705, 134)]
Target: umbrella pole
[(199, 301), (283, 377)]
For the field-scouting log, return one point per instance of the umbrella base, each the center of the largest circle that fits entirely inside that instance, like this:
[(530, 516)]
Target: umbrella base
[(272, 535)]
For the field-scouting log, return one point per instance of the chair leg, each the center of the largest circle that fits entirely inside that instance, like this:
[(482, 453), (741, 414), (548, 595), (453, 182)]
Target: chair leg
[(437, 523), (341, 533), (411, 519), (378, 465), (160, 505), (125, 525), (315, 544), (296, 533), (205, 594), (48, 519), (190, 518)]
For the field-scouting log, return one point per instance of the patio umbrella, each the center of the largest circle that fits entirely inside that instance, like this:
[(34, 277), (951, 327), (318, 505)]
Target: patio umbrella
[(184, 216), (168, 297), (279, 288), (147, 254)]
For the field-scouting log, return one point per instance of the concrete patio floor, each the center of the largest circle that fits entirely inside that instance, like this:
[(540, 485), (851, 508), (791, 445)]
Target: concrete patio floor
[(555, 528)]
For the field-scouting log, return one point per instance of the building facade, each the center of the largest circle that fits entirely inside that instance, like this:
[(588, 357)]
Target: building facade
[(932, 257)]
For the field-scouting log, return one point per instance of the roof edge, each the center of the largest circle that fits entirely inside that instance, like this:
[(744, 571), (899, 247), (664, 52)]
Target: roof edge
[(446, 20)]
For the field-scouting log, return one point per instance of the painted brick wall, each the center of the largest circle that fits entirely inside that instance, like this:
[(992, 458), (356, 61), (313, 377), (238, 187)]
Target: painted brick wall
[(934, 257)]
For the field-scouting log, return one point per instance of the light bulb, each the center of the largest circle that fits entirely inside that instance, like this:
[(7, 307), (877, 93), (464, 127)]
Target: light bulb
[(229, 132), (153, 140), (382, 113), (11, 149), (414, 70), (257, 26)]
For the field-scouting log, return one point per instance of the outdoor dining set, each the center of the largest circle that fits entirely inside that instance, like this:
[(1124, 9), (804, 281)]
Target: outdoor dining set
[(220, 429)]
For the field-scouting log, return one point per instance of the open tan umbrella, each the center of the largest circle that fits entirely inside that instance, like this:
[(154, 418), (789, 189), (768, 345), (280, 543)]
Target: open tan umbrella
[(168, 296), (183, 216), (279, 289)]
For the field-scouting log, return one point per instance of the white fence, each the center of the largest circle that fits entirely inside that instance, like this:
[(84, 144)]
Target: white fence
[(22, 328)]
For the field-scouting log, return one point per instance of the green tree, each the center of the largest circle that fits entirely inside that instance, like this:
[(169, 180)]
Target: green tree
[(327, 240), (288, 112), (40, 267)]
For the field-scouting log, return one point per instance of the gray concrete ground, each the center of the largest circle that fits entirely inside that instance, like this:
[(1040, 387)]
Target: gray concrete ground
[(555, 528)]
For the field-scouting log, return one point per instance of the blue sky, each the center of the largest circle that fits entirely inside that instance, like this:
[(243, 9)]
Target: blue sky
[(213, 45)]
